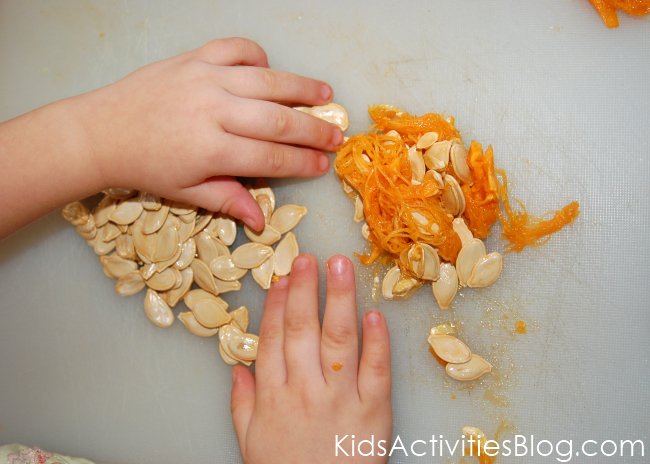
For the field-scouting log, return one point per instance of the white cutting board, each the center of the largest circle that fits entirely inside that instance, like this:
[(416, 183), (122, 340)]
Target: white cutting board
[(563, 100)]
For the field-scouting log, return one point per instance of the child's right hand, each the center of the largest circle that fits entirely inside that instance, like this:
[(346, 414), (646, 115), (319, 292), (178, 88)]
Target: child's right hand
[(184, 127), (309, 384)]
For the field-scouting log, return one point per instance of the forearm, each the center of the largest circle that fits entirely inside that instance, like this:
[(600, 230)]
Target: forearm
[(46, 160)]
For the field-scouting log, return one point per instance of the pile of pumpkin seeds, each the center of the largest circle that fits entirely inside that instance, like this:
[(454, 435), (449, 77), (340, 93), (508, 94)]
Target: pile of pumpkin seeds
[(181, 252)]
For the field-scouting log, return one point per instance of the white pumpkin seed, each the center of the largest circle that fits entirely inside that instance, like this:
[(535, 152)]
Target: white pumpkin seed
[(450, 349), (286, 251), (188, 251), (268, 236), (173, 296), (150, 202), (436, 157), (251, 255), (224, 268), (103, 210), (163, 281), (358, 209), (203, 277), (470, 370), (224, 286), (446, 328), (240, 318), (287, 217), (263, 274), (468, 257), (154, 220), (390, 279), (194, 327), (156, 310), (129, 284), (227, 230), (418, 167), (210, 314), (332, 113), (427, 139), (124, 247), (196, 295), (458, 156), (126, 212), (116, 267), (445, 288), (486, 271)]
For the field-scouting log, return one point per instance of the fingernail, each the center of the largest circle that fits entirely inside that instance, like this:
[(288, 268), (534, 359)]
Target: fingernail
[(337, 265), (250, 222), (373, 317), (326, 92), (323, 163), (301, 263), (337, 137)]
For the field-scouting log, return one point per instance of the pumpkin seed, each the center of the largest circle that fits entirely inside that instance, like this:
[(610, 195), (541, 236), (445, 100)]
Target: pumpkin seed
[(116, 267), (446, 328), (286, 251), (332, 113), (196, 295), (227, 230), (390, 279), (203, 277), (287, 217), (129, 284), (450, 349), (194, 327), (436, 157), (468, 257), (210, 314), (445, 288), (103, 210), (458, 156), (126, 212), (188, 251), (224, 268), (154, 220), (470, 370), (427, 139), (163, 281), (156, 310), (124, 247), (358, 209), (240, 318), (486, 271), (251, 255), (268, 236), (173, 296), (150, 202), (418, 167), (263, 273)]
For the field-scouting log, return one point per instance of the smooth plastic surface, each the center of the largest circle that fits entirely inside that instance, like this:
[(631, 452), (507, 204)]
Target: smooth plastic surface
[(563, 100)]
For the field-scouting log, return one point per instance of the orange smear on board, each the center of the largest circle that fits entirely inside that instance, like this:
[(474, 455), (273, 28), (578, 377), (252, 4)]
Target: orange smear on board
[(520, 327)]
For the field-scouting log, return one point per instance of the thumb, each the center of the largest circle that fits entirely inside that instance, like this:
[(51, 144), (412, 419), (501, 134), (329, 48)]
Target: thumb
[(226, 195), (242, 403)]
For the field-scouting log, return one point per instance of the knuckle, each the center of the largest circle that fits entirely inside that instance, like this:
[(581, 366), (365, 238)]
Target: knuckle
[(338, 335), (282, 123), (295, 326), (378, 364), (276, 160), (269, 333), (268, 78)]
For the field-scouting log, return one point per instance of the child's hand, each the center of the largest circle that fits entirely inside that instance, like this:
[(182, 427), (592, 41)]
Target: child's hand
[(184, 127), (310, 386)]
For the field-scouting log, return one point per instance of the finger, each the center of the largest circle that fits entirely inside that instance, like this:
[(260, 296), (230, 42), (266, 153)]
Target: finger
[(301, 326), (273, 85), (339, 342), (255, 158), (374, 367), (264, 120), (232, 51), (270, 368), (242, 403), (226, 195)]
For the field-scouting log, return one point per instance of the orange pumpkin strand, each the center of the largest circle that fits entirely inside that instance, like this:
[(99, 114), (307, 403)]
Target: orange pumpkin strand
[(607, 9), (521, 229), (482, 197)]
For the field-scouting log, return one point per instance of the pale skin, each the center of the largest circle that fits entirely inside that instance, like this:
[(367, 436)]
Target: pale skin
[(187, 128)]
